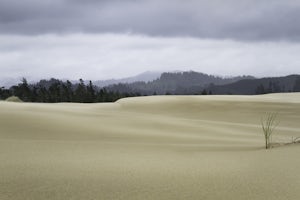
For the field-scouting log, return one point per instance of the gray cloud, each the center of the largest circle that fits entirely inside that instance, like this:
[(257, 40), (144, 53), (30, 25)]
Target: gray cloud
[(261, 20), (105, 56)]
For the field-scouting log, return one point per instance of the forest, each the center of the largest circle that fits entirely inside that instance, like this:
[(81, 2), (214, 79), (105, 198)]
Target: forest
[(54, 91), (182, 83)]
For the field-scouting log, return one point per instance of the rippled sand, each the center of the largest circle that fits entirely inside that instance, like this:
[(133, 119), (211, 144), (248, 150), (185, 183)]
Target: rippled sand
[(161, 147)]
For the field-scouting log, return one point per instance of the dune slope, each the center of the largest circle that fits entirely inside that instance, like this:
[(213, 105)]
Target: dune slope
[(161, 147)]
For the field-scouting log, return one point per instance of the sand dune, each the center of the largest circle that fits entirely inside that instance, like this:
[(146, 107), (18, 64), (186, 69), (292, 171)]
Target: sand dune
[(161, 147)]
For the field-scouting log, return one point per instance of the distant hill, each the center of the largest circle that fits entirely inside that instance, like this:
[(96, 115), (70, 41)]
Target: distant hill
[(176, 83), (289, 83), (145, 77)]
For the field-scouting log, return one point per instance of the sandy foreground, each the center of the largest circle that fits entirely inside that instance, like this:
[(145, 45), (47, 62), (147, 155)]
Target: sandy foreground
[(162, 147)]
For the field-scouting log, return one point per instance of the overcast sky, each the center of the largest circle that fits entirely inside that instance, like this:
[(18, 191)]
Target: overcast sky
[(102, 39)]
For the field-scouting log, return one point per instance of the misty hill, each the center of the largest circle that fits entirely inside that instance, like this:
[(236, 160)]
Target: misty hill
[(289, 83), (176, 83), (179, 83), (145, 77)]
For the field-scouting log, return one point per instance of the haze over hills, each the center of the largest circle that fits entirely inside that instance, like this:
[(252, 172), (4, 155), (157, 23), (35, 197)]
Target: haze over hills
[(145, 77), (177, 83), (198, 83), (289, 83)]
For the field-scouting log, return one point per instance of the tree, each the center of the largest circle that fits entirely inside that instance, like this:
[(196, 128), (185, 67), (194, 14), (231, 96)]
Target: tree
[(34, 94), (296, 87), (54, 92), (22, 90), (4, 93), (66, 92), (260, 89), (42, 95), (91, 97), (80, 92)]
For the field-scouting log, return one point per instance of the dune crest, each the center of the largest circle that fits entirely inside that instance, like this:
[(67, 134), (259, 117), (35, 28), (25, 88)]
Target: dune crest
[(160, 147)]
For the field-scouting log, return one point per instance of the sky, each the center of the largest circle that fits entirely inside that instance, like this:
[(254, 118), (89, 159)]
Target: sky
[(104, 39)]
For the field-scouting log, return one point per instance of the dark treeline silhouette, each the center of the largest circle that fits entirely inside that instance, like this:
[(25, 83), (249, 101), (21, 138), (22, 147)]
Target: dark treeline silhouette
[(194, 83), (54, 90), (267, 85), (183, 83), (178, 83)]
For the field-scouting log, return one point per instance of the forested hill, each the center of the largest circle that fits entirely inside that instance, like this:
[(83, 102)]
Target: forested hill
[(176, 83), (289, 83), (183, 83)]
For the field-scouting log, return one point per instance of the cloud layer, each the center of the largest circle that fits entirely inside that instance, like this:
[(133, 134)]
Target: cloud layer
[(102, 39), (105, 56), (250, 20)]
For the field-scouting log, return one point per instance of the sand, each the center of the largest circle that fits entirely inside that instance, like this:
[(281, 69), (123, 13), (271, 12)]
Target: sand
[(161, 147)]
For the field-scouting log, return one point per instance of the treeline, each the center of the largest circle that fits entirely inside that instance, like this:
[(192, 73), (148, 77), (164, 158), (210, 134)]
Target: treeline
[(194, 83), (53, 91), (266, 85), (177, 83), (186, 83)]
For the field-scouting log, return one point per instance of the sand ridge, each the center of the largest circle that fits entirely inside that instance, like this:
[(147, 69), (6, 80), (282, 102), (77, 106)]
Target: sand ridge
[(161, 147)]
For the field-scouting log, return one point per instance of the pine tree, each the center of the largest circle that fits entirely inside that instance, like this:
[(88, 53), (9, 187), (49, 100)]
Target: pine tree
[(91, 97), (296, 87), (23, 90), (80, 92)]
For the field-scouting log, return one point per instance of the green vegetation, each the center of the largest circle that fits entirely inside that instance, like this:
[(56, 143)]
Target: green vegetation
[(183, 83), (268, 124), (54, 90)]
